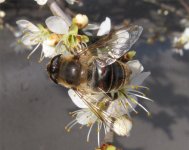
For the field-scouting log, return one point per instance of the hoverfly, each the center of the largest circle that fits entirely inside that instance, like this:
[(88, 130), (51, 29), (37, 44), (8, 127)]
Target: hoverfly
[(98, 69)]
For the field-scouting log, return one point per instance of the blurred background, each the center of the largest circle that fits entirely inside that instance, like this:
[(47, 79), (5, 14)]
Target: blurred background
[(34, 111)]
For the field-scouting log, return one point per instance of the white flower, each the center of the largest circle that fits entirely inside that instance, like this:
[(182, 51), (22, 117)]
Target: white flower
[(36, 36), (2, 14), (2, 1), (85, 116), (181, 43), (119, 109), (41, 2)]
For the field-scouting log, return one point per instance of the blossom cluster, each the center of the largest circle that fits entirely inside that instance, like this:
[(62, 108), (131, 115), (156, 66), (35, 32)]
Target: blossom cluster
[(59, 37), (182, 42)]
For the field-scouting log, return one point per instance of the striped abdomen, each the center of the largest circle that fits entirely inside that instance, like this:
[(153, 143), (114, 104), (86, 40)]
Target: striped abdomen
[(111, 77)]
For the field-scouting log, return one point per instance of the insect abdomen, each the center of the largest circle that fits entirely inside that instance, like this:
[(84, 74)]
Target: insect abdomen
[(111, 77)]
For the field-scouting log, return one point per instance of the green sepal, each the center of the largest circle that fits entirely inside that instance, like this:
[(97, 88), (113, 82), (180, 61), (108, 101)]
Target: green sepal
[(73, 29), (84, 38), (131, 54), (72, 40), (111, 147)]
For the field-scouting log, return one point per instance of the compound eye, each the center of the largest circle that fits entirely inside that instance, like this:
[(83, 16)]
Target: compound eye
[(53, 68), (55, 64)]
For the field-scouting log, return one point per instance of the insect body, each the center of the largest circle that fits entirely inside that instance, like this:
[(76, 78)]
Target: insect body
[(97, 70), (72, 73)]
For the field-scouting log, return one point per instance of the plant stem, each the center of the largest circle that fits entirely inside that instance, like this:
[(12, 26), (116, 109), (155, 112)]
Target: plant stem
[(185, 5), (109, 137)]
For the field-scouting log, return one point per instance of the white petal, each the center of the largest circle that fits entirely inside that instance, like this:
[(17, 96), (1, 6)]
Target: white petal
[(2, 1), (76, 99), (186, 32), (116, 108), (105, 27), (178, 51), (29, 39), (25, 24), (139, 79), (136, 67), (57, 25), (71, 2), (91, 27), (186, 46), (41, 2), (86, 117), (48, 51), (88, 30), (2, 14)]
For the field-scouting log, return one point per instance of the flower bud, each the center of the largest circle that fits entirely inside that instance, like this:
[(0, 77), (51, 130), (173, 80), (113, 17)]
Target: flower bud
[(122, 126), (2, 14), (80, 20)]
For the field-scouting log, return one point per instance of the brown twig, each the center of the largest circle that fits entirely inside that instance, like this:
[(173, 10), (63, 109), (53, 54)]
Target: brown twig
[(162, 5), (185, 5)]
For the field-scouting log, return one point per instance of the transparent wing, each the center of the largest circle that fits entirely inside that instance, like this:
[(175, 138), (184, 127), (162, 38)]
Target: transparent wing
[(119, 124), (115, 45), (90, 102)]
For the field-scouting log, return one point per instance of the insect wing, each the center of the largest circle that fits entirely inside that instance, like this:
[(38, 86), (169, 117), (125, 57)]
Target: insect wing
[(115, 45), (92, 101)]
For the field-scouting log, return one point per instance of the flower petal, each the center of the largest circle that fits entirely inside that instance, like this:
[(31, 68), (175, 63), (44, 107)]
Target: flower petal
[(41, 2), (86, 117), (29, 39), (136, 67), (186, 46), (27, 25), (91, 27), (57, 25), (116, 109), (49, 51), (71, 2), (76, 99), (186, 32), (105, 27), (139, 79)]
